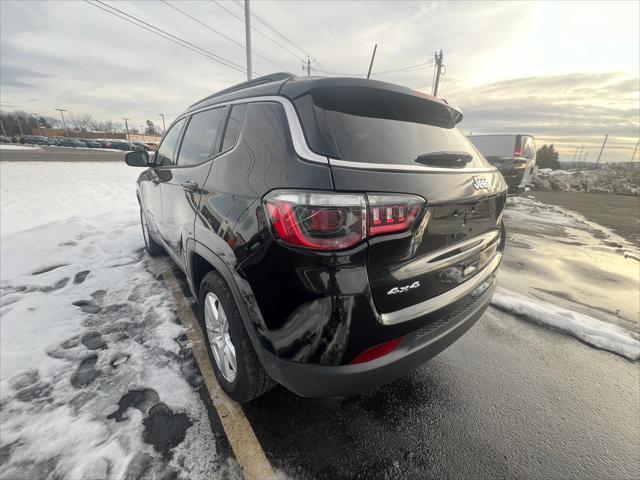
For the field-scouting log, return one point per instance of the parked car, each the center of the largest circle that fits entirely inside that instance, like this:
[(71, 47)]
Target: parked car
[(91, 143), (514, 155), (4, 139), (105, 143), (139, 146), (152, 146), (34, 140), (120, 145), (336, 232)]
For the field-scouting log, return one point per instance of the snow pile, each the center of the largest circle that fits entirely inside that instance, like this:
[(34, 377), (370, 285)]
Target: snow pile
[(97, 379), (11, 146), (622, 179), (592, 331)]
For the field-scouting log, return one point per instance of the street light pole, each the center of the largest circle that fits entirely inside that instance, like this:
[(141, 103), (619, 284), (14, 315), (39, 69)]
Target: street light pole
[(38, 122), (164, 128), (126, 126), (63, 122), (247, 33)]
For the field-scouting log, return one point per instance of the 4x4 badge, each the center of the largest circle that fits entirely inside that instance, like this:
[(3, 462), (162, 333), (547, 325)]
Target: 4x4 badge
[(481, 183), (403, 289)]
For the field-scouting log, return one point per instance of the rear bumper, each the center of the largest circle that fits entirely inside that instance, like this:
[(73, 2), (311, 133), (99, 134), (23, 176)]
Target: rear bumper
[(309, 380)]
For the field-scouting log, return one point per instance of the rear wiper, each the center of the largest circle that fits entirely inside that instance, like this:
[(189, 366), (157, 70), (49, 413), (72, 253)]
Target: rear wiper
[(445, 159)]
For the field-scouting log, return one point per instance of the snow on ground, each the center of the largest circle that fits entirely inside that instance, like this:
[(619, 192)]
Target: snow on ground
[(35, 193), (597, 333), (112, 150), (97, 379), (622, 179), (9, 146)]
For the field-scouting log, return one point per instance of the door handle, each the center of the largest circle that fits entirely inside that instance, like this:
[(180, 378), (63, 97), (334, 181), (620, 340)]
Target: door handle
[(190, 186)]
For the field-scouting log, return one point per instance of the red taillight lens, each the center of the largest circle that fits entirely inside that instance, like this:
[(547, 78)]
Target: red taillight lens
[(377, 351), (333, 221), (317, 220), (392, 213)]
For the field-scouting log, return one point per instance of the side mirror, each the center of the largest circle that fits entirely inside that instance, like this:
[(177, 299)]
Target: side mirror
[(137, 159)]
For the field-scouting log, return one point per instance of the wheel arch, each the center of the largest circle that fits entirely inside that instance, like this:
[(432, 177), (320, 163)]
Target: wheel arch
[(200, 261)]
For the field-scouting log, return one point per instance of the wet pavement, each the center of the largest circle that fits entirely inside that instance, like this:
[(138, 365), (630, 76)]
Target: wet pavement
[(508, 400), (563, 258)]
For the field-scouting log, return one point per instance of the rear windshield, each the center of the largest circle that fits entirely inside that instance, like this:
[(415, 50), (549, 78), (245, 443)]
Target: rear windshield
[(374, 126), (377, 140)]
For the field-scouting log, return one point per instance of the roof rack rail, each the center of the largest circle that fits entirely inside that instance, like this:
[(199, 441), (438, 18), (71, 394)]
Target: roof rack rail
[(274, 77)]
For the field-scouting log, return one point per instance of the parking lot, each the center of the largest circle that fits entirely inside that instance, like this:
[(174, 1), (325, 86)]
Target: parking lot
[(510, 399)]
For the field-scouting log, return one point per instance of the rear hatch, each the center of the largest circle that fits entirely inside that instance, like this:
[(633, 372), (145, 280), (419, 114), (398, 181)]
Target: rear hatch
[(384, 142)]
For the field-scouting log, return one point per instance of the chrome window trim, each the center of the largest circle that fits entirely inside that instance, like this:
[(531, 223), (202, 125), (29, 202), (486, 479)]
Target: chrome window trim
[(406, 168), (442, 300)]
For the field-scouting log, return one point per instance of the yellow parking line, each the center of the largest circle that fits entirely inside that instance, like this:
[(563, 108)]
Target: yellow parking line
[(241, 436)]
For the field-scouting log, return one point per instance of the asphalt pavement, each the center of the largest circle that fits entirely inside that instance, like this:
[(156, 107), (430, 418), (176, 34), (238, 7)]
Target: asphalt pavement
[(508, 400), (60, 154)]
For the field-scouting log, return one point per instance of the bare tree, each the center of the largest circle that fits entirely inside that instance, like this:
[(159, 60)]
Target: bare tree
[(80, 120)]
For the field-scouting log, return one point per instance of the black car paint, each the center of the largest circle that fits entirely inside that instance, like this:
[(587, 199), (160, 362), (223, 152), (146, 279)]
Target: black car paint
[(299, 307)]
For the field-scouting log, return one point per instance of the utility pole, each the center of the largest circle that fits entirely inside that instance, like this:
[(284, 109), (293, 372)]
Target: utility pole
[(601, 149), (63, 122), (306, 65), (4, 132), (574, 154), (373, 57), (247, 32), (632, 155), (20, 126), (126, 126), (439, 67), (38, 122), (580, 156), (164, 128)]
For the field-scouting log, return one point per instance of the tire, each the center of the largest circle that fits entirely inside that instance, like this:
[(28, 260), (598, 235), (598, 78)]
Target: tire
[(150, 245), (248, 379)]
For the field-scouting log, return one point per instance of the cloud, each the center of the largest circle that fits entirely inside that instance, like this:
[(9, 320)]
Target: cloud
[(569, 110), (11, 76)]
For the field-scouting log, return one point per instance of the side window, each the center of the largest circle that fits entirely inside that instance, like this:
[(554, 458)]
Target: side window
[(166, 154), (233, 127), (200, 137)]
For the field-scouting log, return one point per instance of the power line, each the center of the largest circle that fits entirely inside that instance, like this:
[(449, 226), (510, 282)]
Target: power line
[(258, 31), (168, 36), (173, 36), (403, 69), (221, 34), (274, 30)]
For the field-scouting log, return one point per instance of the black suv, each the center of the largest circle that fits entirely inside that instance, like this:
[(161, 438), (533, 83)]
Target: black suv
[(337, 232)]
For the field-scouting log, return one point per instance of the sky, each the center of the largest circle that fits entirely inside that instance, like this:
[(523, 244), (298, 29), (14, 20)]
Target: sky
[(566, 72)]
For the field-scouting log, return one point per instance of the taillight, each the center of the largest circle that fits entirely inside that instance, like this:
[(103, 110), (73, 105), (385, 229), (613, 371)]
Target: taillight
[(392, 213), (333, 221), (318, 220)]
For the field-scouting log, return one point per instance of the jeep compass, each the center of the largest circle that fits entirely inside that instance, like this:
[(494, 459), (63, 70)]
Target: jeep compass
[(336, 232)]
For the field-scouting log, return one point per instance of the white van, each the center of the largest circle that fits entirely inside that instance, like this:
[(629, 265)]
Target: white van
[(514, 155)]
